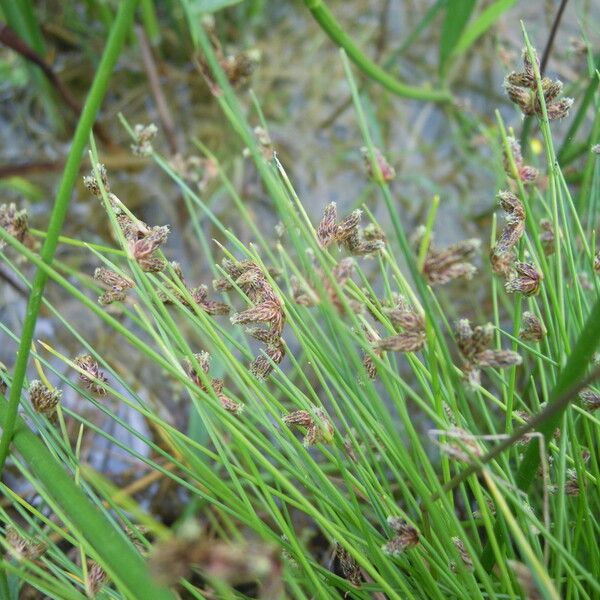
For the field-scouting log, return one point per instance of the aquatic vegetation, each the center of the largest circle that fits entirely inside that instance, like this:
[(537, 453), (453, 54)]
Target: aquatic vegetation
[(347, 401)]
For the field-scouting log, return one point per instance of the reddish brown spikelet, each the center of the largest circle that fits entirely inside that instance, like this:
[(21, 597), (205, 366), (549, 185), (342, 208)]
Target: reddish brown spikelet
[(525, 279), (91, 183), (406, 537), (96, 579), (559, 109), (211, 307), (532, 329), (452, 262), (347, 227), (152, 264), (597, 262), (499, 359), (144, 134), (112, 279), (403, 342), (147, 245), (298, 417), (16, 224), (348, 565), (23, 548), (515, 222), (328, 225), (203, 359), (473, 344), (346, 232), (547, 237), (590, 399), (368, 362), (265, 312), (463, 552), (92, 377), (43, 399), (525, 173), (386, 173), (521, 89), (268, 308), (502, 263), (572, 485), (262, 366), (462, 445), (319, 428), (118, 286)]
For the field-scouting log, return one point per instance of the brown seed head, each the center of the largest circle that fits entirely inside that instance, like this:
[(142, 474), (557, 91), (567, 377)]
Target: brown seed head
[(559, 109), (590, 399), (112, 279), (97, 578), (144, 247), (402, 342), (16, 223), (92, 377), (386, 171), (42, 399), (406, 537), (463, 552), (348, 565), (547, 237), (23, 548), (91, 183), (301, 418), (144, 134), (328, 225), (532, 329), (525, 279), (499, 359)]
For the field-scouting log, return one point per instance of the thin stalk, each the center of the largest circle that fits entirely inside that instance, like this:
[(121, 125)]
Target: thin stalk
[(337, 34)]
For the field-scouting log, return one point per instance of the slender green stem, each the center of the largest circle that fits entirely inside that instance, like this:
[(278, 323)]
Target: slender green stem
[(117, 36), (337, 34), (573, 372)]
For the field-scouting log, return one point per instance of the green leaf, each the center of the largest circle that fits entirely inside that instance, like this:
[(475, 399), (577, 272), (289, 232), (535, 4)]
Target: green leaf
[(458, 13), (481, 24)]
